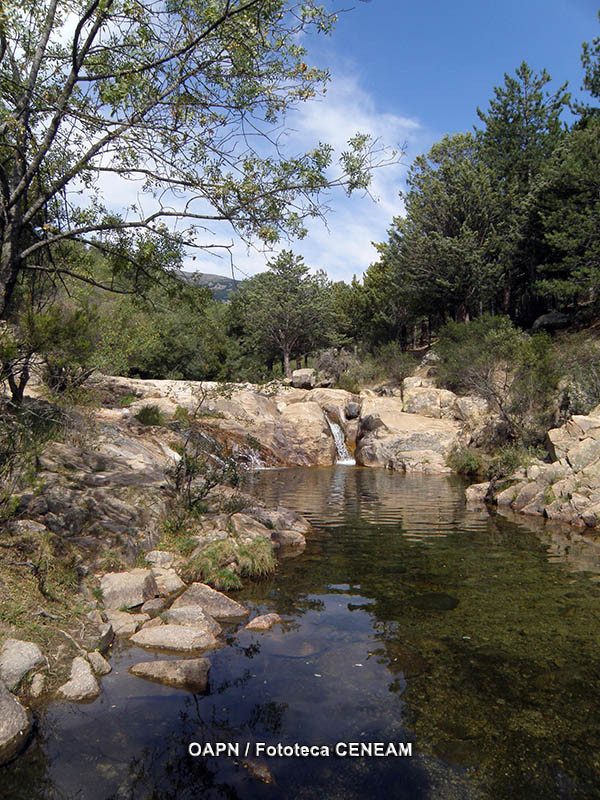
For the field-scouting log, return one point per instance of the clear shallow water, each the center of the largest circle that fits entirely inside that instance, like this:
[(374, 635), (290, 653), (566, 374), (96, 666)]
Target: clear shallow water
[(408, 619)]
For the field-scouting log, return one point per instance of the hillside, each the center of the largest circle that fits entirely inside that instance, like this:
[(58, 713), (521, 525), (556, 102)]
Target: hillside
[(221, 286)]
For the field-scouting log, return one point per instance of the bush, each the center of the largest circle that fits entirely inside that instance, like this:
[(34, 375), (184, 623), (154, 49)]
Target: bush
[(150, 415), (517, 374), (467, 462)]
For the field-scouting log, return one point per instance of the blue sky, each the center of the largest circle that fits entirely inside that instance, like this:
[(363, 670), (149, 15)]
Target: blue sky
[(412, 72)]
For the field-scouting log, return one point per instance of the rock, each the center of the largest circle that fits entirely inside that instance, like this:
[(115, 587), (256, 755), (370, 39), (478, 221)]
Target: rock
[(477, 493), (429, 402), (189, 673), (192, 615), (15, 724), (583, 453), (263, 622), (99, 664), (288, 538), (469, 408), (16, 659), (106, 635), (352, 410), (308, 431), (527, 495), (215, 603), (128, 589), (247, 528), (36, 688), (83, 685), (282, 519), (125, 624), (152, 623), (175, 637), (167, 581), (153, 607), (160, 558), (304, 378), (552, 321)]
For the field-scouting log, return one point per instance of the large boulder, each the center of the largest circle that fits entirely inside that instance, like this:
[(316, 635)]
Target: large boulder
[(304, 378), (15, 724), (82, 685), (183, 638), (128, 589), (215, 603), (17, 658), (390, 438), (124, 624), (188, 673)]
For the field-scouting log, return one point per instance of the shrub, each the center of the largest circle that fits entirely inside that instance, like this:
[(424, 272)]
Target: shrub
[(467, 462), (517, 374), (150, 415)]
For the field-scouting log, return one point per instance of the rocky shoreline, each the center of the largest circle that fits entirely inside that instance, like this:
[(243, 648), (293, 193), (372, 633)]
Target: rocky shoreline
[(101, 505)]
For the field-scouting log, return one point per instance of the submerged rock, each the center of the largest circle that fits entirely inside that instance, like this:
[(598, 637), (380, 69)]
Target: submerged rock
[(215, 603), (263, 622), (15, 724), (292, 539), (16, 659), (189, 673), (175, 637), (82, 685)]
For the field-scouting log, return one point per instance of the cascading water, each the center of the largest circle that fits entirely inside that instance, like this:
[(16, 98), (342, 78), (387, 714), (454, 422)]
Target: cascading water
[(344, 456)]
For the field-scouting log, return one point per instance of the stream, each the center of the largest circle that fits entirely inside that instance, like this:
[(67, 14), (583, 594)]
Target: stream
[(408, 619)]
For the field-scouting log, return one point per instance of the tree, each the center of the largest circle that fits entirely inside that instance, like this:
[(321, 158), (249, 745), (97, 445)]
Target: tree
[(184, 98), (286, 308), (569, 212), (441, 255), (590, 60), (521, 129)]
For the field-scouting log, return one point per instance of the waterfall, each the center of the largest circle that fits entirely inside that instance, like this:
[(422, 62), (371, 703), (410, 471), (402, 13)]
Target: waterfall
[(344, 456)]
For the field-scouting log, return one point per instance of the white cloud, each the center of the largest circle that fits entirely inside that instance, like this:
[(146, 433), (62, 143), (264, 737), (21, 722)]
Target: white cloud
[(343, 247)]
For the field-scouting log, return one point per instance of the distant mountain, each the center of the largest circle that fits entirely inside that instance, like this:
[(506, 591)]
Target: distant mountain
[(221, 286)]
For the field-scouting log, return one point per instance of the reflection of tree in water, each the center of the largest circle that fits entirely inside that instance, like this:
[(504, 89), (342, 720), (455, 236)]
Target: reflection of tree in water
[(167, 772)]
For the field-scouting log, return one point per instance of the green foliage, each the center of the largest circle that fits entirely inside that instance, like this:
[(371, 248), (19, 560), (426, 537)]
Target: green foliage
[(286, 311), (517, 374), (466, 461), (150, 415), (168, 93), (569, 214), (579, 364), (220, 564)]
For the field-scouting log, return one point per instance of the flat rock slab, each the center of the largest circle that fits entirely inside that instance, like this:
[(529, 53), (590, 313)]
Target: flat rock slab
[(192, 615), (187, 673), (83, 685), (184, 638), (217, 604), (124, 624), (128, 589), (16, 659), (15, 724), (263, 623)]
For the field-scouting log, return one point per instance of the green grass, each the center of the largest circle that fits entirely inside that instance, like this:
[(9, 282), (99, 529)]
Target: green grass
[(150, 415)]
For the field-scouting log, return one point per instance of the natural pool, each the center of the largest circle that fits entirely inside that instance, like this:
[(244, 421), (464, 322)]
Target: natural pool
[(408, 619)]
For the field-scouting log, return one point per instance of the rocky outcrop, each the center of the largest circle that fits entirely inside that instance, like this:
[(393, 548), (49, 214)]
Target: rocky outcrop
[(214, 603), (389, 437), (17, 658), (15, 724), (568, 489), (82, 685), (189, 673)]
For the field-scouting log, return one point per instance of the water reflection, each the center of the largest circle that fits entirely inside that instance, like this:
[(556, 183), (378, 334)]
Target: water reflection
[(407, 619)]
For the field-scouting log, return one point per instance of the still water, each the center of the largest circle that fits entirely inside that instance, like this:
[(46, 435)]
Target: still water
[(408, 619)]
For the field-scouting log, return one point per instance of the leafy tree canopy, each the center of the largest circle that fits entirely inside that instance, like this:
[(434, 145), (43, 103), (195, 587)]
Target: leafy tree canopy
[(185, 98)]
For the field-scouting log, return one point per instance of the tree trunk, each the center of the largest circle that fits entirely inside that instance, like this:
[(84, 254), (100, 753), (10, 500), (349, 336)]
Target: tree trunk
[(298, 362), (286, 364)]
